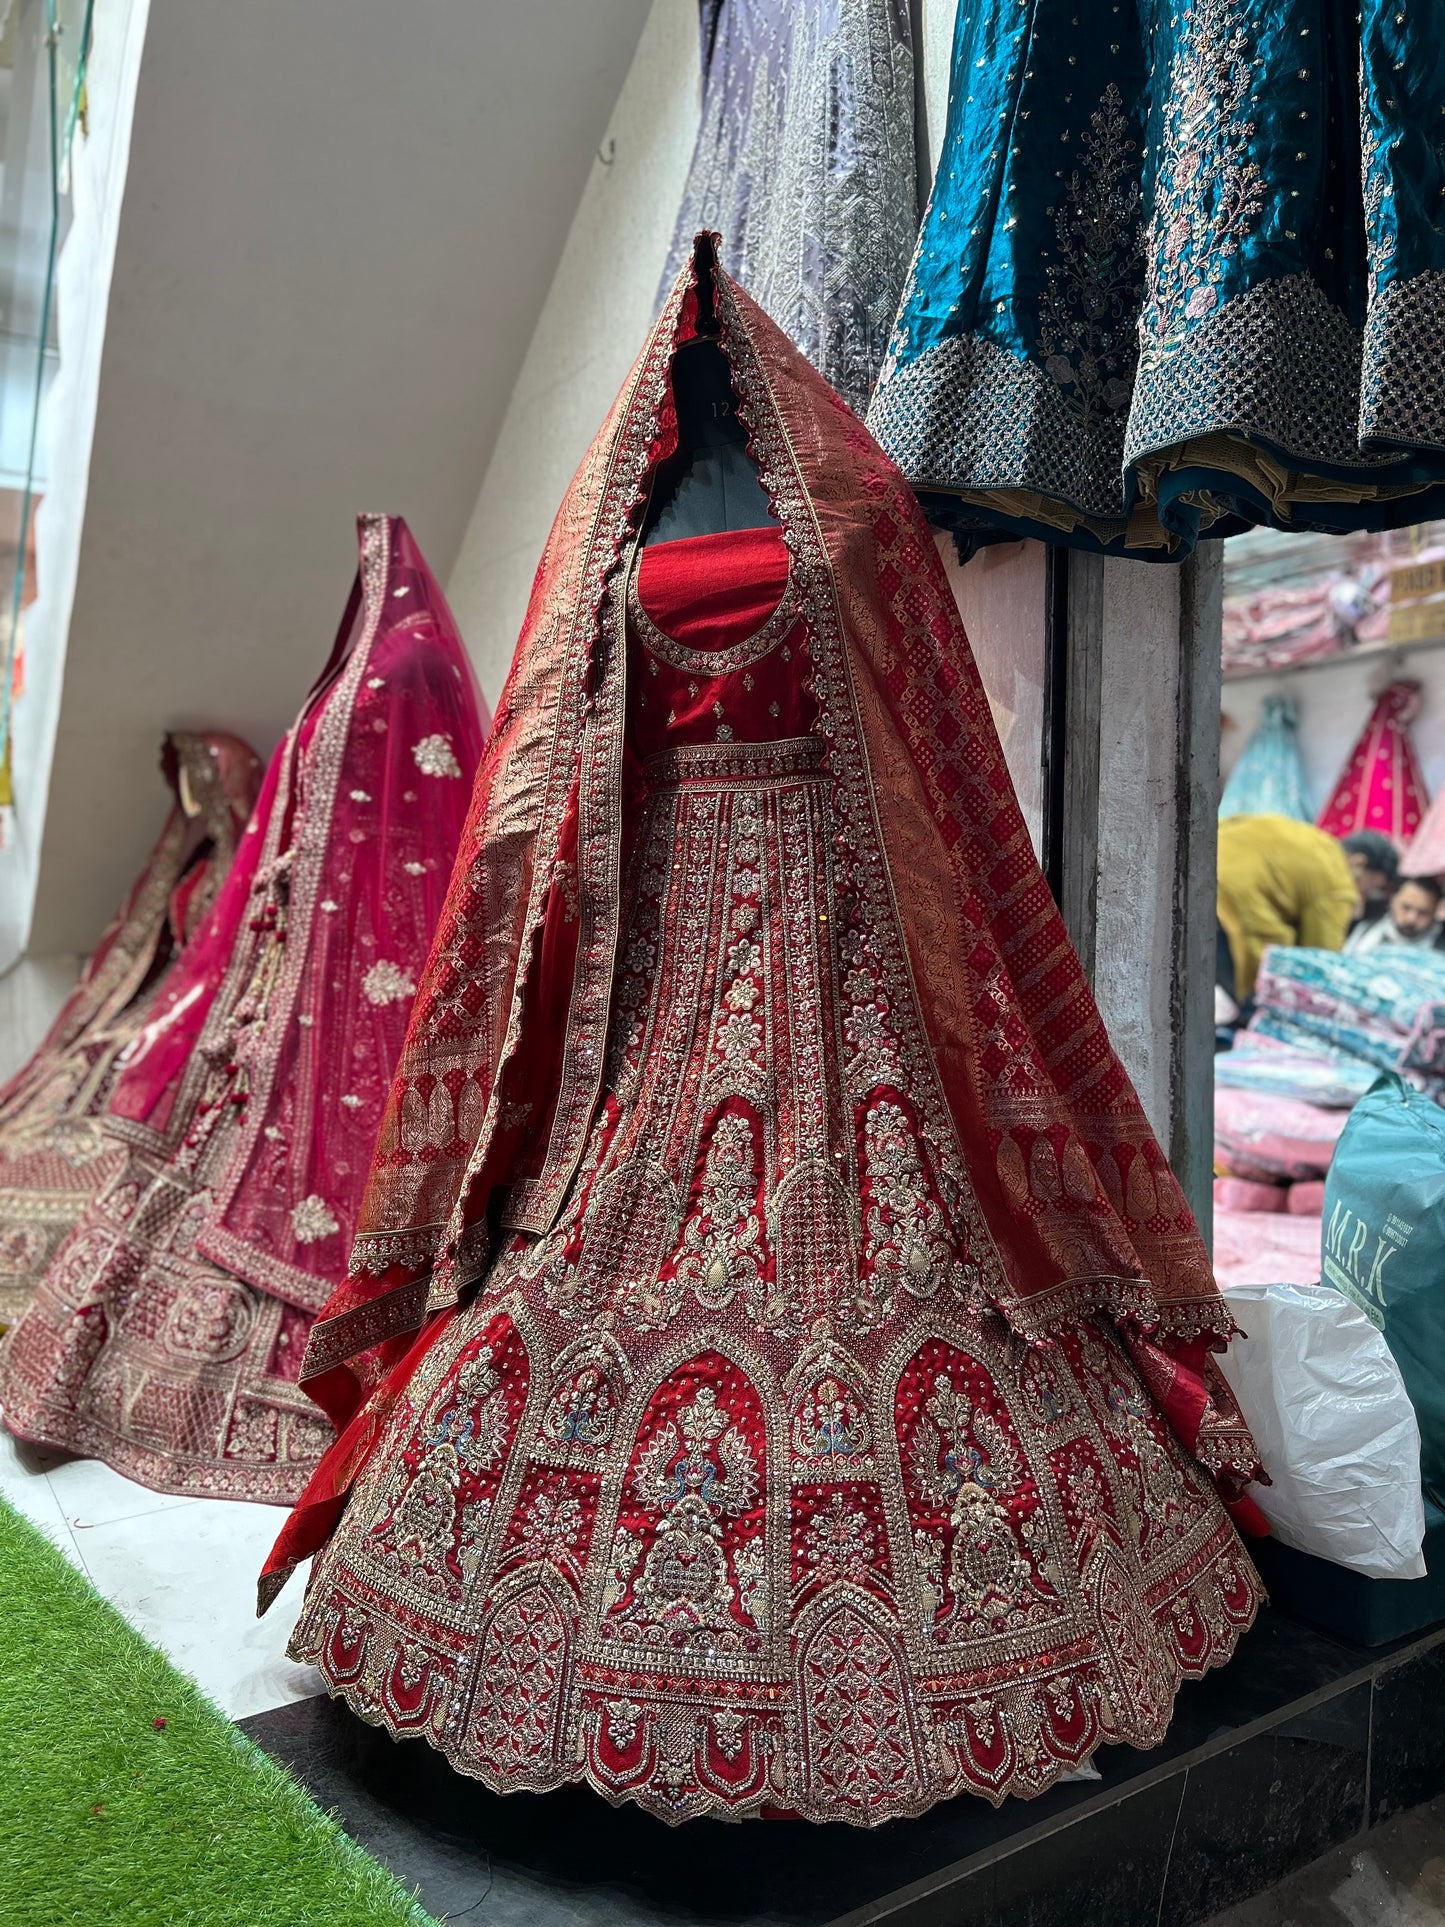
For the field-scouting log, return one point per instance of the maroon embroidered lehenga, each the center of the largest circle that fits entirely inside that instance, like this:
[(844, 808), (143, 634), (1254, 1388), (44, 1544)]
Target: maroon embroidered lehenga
[(798, 1442), (54, 1151), (167, 1334)]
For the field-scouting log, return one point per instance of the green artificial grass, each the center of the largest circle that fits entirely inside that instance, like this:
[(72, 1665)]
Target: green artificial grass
[(130, 1801)]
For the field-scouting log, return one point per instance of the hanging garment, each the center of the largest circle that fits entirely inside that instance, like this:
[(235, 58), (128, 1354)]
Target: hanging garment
[(754, 1397), (167, 1334), (1269, 778), (54, 1151), (1381, 787), (1183, 271), (1425, 854), (805, 163)]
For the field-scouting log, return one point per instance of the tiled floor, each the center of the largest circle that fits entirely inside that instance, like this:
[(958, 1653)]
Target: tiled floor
[(1395, 1879), (183, 1571)]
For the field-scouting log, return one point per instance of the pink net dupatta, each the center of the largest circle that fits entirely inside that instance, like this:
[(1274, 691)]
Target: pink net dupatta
[(1381, 787), (399, 726)]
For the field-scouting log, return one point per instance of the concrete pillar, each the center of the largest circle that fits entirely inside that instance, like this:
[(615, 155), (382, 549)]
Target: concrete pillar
[(1129, 843)]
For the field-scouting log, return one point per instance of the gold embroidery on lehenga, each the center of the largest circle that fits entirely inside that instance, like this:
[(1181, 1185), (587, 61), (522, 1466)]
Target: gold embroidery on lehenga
[(906, 1240), (828, 1424), (828, 1557), (590, 1380), (722, 1239), (698, 1470)]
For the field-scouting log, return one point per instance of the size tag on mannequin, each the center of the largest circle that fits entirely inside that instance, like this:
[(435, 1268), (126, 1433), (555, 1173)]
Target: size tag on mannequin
[(717, 488)]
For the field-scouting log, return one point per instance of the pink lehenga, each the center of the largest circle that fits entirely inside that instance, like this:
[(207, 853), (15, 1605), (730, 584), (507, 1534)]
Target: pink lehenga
[(54, 1152), (166, 1336)]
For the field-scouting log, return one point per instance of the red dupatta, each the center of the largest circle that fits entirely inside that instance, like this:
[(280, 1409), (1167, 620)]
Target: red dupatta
[(1008, 1062)]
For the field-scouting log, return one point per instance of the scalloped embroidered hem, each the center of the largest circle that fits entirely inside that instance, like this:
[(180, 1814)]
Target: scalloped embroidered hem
[(280, 1483), (710, 1572), (1040, 1746)]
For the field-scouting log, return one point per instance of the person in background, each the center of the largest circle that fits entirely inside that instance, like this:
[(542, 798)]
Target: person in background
[(1280, 881), (1375, 866), (1411, 920)]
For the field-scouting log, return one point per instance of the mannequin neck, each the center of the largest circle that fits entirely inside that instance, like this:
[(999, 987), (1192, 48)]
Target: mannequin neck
[(716, 486)]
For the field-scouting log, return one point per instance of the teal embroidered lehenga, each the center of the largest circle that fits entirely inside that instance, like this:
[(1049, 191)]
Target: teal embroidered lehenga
[(1183, 272)]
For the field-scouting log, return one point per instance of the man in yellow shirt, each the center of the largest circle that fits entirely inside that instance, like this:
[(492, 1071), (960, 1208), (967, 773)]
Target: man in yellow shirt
[(1280, 881)]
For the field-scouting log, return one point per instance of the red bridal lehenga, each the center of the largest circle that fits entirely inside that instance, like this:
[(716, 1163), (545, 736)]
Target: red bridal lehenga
[(54, 1151), (167, 1334), (751, 1375)]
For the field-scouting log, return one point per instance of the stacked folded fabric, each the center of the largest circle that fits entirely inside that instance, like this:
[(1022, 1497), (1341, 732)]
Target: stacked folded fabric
[(1272, 1152), (1373, 1009), (1256, 1248), (1262, 1063), (1278, 628), (1273, 1140), (1301, 598)]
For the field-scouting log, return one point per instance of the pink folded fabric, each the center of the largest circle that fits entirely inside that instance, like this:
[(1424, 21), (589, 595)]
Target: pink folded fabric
[(1262, 1136), (1244, 1194), (1307, 1199), (1254, 1248)]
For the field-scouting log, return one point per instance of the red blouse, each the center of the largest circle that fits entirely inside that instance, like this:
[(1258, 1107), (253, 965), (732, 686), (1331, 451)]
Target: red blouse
[(719, 650)]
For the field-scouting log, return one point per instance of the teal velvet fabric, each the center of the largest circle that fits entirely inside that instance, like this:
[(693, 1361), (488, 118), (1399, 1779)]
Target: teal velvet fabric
[(1182, 272)]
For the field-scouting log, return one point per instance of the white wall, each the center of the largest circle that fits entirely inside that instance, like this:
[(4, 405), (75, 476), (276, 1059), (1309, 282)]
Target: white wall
[(1334, 701), (1001, 597), (1137, 827), (339, 224), (31, 993), (935, 46), (592, 324)]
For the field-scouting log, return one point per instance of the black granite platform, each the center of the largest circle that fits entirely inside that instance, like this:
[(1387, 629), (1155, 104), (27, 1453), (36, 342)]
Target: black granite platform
[(1301, 1743)]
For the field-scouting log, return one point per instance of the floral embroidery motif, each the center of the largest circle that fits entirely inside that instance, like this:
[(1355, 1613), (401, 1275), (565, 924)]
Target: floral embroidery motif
[(840, 1544), (386, 983), (906, 1236), (830, 1431), (582, 1411), (419, 1514), (210, 1320), (434, 756), (312, 1220), (1211, 188), (963, 1458), (1089, 307), (1163, 1488), (551, 1528), (699, 1469), (722, 1239)]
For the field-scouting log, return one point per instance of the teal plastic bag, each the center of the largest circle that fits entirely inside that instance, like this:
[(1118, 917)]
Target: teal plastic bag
[(1384, 1245)]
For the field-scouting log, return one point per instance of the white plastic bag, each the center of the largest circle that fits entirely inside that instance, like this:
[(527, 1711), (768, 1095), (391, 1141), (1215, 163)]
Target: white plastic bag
[(1335, 1429)]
